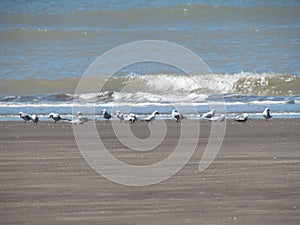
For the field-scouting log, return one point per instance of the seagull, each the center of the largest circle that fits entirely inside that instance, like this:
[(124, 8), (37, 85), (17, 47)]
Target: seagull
[(105, 114), (56, 117), (242, 118), (209, 114), (151, 117), (25, 117), (178, 116), (266, 114), (120, 116), (220, 118), (131, 118), (35, 119), (80, 119)]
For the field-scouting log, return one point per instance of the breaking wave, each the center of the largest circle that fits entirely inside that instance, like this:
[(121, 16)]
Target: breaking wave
[(192, 87), (242, 92)]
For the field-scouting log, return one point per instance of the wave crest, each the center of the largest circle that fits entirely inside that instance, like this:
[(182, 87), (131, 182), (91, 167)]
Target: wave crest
[(170, 84)]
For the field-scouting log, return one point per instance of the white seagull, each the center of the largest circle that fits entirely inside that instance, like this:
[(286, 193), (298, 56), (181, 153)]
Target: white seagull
[(56, 117), (105, 114), (178, 116), (151, 117), (25, 117), (131, 117), (266, 114), (80, 119), (242, 118), (209, 114), (120, 116), (35, 119), (220, 118)]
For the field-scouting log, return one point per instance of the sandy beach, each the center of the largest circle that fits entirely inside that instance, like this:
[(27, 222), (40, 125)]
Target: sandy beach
[(254, 179)]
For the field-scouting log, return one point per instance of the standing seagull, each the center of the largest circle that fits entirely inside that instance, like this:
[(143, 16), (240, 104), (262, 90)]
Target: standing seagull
[(151, 117), (80, 119), (242, 118), (120, 116), (209, 114), (105, 114), (266, 114), (131, 117), (178, 116), (56, 117), (35, 119), (25, 117)]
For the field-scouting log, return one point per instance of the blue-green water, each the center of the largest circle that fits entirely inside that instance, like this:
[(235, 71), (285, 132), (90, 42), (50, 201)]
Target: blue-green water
[(252, 48)]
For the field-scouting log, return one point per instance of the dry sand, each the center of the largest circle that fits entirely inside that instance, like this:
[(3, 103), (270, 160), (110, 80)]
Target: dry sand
[(254, 179)]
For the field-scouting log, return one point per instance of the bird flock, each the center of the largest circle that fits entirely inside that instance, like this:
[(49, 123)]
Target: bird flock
[(132, 118)]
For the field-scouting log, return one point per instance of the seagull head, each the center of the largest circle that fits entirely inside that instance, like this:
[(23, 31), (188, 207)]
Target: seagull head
[(267, 110), (155, 113), (245, 115), (51, 115)]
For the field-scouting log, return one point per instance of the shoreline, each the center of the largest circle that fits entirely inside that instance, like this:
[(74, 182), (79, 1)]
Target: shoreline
[(99, 118), (253, 180)]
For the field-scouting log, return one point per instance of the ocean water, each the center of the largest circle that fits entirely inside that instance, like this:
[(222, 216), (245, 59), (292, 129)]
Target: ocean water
[(251, 47)]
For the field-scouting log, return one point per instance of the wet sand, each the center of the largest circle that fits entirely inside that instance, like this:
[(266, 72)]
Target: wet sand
[(253, 180)]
